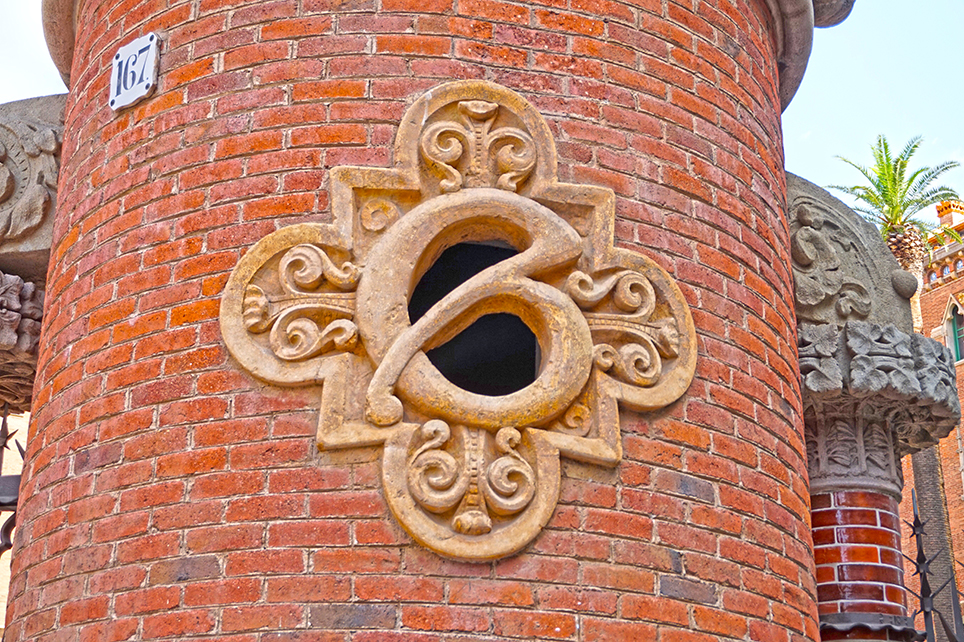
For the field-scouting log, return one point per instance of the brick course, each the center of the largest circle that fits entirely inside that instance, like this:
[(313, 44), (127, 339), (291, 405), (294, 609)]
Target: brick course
[(934, 304), (184, 500)]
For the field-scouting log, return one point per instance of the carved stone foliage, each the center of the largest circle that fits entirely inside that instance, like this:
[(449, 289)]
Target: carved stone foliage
[(21, 307), (863, 378), (471, 476), (841, 267), (29, 151), (30, 135)]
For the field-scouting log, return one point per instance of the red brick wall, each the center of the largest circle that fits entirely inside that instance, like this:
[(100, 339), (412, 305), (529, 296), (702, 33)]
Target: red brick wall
[(169, 495), (858, 554), (934, 302)]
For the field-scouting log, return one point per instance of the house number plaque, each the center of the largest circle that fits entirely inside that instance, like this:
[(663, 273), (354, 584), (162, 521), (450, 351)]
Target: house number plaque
[(133, 72)]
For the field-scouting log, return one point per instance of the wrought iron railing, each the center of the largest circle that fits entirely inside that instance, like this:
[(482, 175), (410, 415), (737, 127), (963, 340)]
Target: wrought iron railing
[(9, 485), (954, 630)]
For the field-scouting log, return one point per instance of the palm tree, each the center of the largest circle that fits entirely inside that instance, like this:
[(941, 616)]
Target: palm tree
[(892, 200)]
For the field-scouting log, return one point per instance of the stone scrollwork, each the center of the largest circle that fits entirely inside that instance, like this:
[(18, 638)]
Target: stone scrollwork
[(471, 476), (840, 274)]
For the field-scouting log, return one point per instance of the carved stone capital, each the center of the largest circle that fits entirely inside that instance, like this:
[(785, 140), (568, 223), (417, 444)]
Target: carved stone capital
[(906, 379), (21, 307), (470, 476)]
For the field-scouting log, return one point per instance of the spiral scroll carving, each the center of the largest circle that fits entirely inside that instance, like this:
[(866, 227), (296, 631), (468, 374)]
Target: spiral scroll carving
[(472, 477)]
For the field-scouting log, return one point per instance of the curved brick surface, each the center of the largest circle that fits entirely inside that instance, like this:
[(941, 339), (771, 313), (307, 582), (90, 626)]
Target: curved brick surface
[(169, 496)]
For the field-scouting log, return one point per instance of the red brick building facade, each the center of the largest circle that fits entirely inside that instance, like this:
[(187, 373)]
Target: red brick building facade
[(942, 303), (168, 494)]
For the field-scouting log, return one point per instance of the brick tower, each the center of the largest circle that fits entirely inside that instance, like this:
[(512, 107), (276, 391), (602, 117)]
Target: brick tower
[(176, 487)]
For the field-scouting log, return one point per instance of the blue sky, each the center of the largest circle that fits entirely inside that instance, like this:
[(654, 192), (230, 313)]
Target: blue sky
[(893, 67)]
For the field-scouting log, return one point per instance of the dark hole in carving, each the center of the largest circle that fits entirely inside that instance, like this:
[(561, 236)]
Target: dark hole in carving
[(496, 355)]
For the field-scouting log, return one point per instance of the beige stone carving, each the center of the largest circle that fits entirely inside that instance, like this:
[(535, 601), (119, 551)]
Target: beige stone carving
[(470, 476)]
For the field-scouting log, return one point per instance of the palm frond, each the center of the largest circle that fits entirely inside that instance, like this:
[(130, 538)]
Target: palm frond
[(894, 194)]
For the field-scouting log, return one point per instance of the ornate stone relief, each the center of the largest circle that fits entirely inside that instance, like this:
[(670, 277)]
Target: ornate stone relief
[(21, 306), (30, 135), (29, 151), (470, 476), (873, 390), (841, 268)]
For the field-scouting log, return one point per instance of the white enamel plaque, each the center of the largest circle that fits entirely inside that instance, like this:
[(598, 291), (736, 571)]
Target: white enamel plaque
[(134, 72)]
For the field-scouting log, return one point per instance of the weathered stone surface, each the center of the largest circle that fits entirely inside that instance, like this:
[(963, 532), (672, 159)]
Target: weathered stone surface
[(827, 13), (470, 476), (59, 17), (872, 390), (841, 266), (21, 307), (30, 135)]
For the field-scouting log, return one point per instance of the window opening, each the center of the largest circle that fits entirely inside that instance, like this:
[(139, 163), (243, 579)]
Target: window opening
[(946, 270), (496, 355), (957, 325)]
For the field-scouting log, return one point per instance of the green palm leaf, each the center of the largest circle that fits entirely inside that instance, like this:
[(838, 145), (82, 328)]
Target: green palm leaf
[(893, 195)]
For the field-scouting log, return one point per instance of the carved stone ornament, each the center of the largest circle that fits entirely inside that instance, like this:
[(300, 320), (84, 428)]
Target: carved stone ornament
[(841, 267), (21, 307), (470, 476), (30, 135), (29, 152), (871, 395)]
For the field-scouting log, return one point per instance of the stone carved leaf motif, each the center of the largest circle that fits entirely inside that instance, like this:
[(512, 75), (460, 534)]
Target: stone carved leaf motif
[(311, 315), (500, 158), (842, 446), (935, 368), (630, 343), (819, 368), (878, 447), (21, 307), (883, 359)]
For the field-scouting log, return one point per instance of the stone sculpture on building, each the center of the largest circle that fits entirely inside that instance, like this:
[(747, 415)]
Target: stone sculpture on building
[(471, 476), (873, 391), (30, 135)]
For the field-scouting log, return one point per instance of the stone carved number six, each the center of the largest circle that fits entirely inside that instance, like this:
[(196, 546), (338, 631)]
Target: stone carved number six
[(470, 476)]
